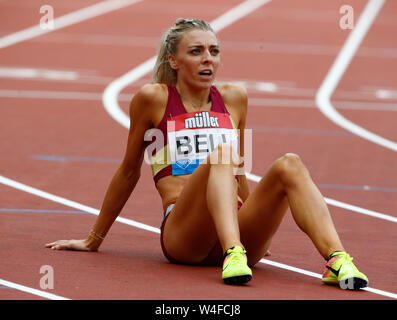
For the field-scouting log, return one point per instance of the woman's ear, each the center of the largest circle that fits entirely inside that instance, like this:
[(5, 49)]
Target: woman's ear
[(173, 62)]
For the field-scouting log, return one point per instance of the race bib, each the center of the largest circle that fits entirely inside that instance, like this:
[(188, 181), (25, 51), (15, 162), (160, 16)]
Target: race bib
[(193, 136)]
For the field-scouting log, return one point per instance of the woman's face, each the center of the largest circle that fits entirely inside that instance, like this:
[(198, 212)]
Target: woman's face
[(197, 58)]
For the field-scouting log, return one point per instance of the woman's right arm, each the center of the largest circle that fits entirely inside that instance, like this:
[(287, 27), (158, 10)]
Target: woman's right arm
[(143, 108)]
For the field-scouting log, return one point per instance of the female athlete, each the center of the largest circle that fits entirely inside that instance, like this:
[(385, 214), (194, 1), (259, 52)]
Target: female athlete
[(210, 216)]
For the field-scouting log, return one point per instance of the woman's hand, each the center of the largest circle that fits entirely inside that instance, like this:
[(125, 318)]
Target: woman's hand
[(79, 245)]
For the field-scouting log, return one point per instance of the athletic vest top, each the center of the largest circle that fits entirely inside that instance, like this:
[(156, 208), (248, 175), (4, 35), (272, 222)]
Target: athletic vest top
[(183, 140)]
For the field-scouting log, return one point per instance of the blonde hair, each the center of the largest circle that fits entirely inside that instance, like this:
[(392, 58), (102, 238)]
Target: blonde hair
[(162, 72)]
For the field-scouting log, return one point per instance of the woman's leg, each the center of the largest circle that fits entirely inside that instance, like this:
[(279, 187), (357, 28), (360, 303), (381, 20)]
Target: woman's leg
[(206, 210), (287, 183)]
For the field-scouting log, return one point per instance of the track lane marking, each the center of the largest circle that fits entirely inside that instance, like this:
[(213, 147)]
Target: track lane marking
[(334, 75), (70, 203), (35, 292), (65, 21)]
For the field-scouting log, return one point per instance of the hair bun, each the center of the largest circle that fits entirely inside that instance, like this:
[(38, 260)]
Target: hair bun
[(183, 21), (180, 21)]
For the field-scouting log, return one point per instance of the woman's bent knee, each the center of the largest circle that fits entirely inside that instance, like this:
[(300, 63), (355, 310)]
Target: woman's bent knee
[(289, 167)]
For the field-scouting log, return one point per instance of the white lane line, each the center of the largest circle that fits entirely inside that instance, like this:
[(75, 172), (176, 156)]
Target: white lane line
[(237, 13), (76, 205), (58, 95), (66, 20), (357, 209), (35, 292), (327, 88), (70, 203), (291, 268), (386, 94), (342, 205), (114, 88), (32, 73)]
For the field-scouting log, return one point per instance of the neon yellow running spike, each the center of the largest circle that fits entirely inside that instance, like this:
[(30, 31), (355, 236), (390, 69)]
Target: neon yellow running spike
[(341, 270), (235, 268)]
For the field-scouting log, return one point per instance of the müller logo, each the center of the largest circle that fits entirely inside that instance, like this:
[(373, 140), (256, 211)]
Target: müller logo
[(201, 120)]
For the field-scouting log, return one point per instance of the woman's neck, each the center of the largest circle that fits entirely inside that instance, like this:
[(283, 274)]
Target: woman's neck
[(197, 99)]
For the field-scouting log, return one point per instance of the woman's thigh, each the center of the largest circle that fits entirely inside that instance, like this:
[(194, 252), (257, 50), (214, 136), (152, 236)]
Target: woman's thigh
[(189, 233)]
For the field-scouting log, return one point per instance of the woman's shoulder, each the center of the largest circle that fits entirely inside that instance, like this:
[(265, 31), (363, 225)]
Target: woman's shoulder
[(148, 103), (232, 93), (152, 93), (236, 100), (150, 97)]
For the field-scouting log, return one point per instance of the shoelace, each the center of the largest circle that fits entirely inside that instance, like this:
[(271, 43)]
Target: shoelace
[(347, 260), (234, 257)]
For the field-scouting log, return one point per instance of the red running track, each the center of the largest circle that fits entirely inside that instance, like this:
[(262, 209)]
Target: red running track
[(57, 137)]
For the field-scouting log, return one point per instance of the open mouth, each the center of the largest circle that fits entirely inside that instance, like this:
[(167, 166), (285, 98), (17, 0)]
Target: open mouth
[(206, 73)]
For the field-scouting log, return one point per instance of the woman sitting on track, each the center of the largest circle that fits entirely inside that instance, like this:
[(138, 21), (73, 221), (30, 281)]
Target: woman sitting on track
[(210, 218)]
